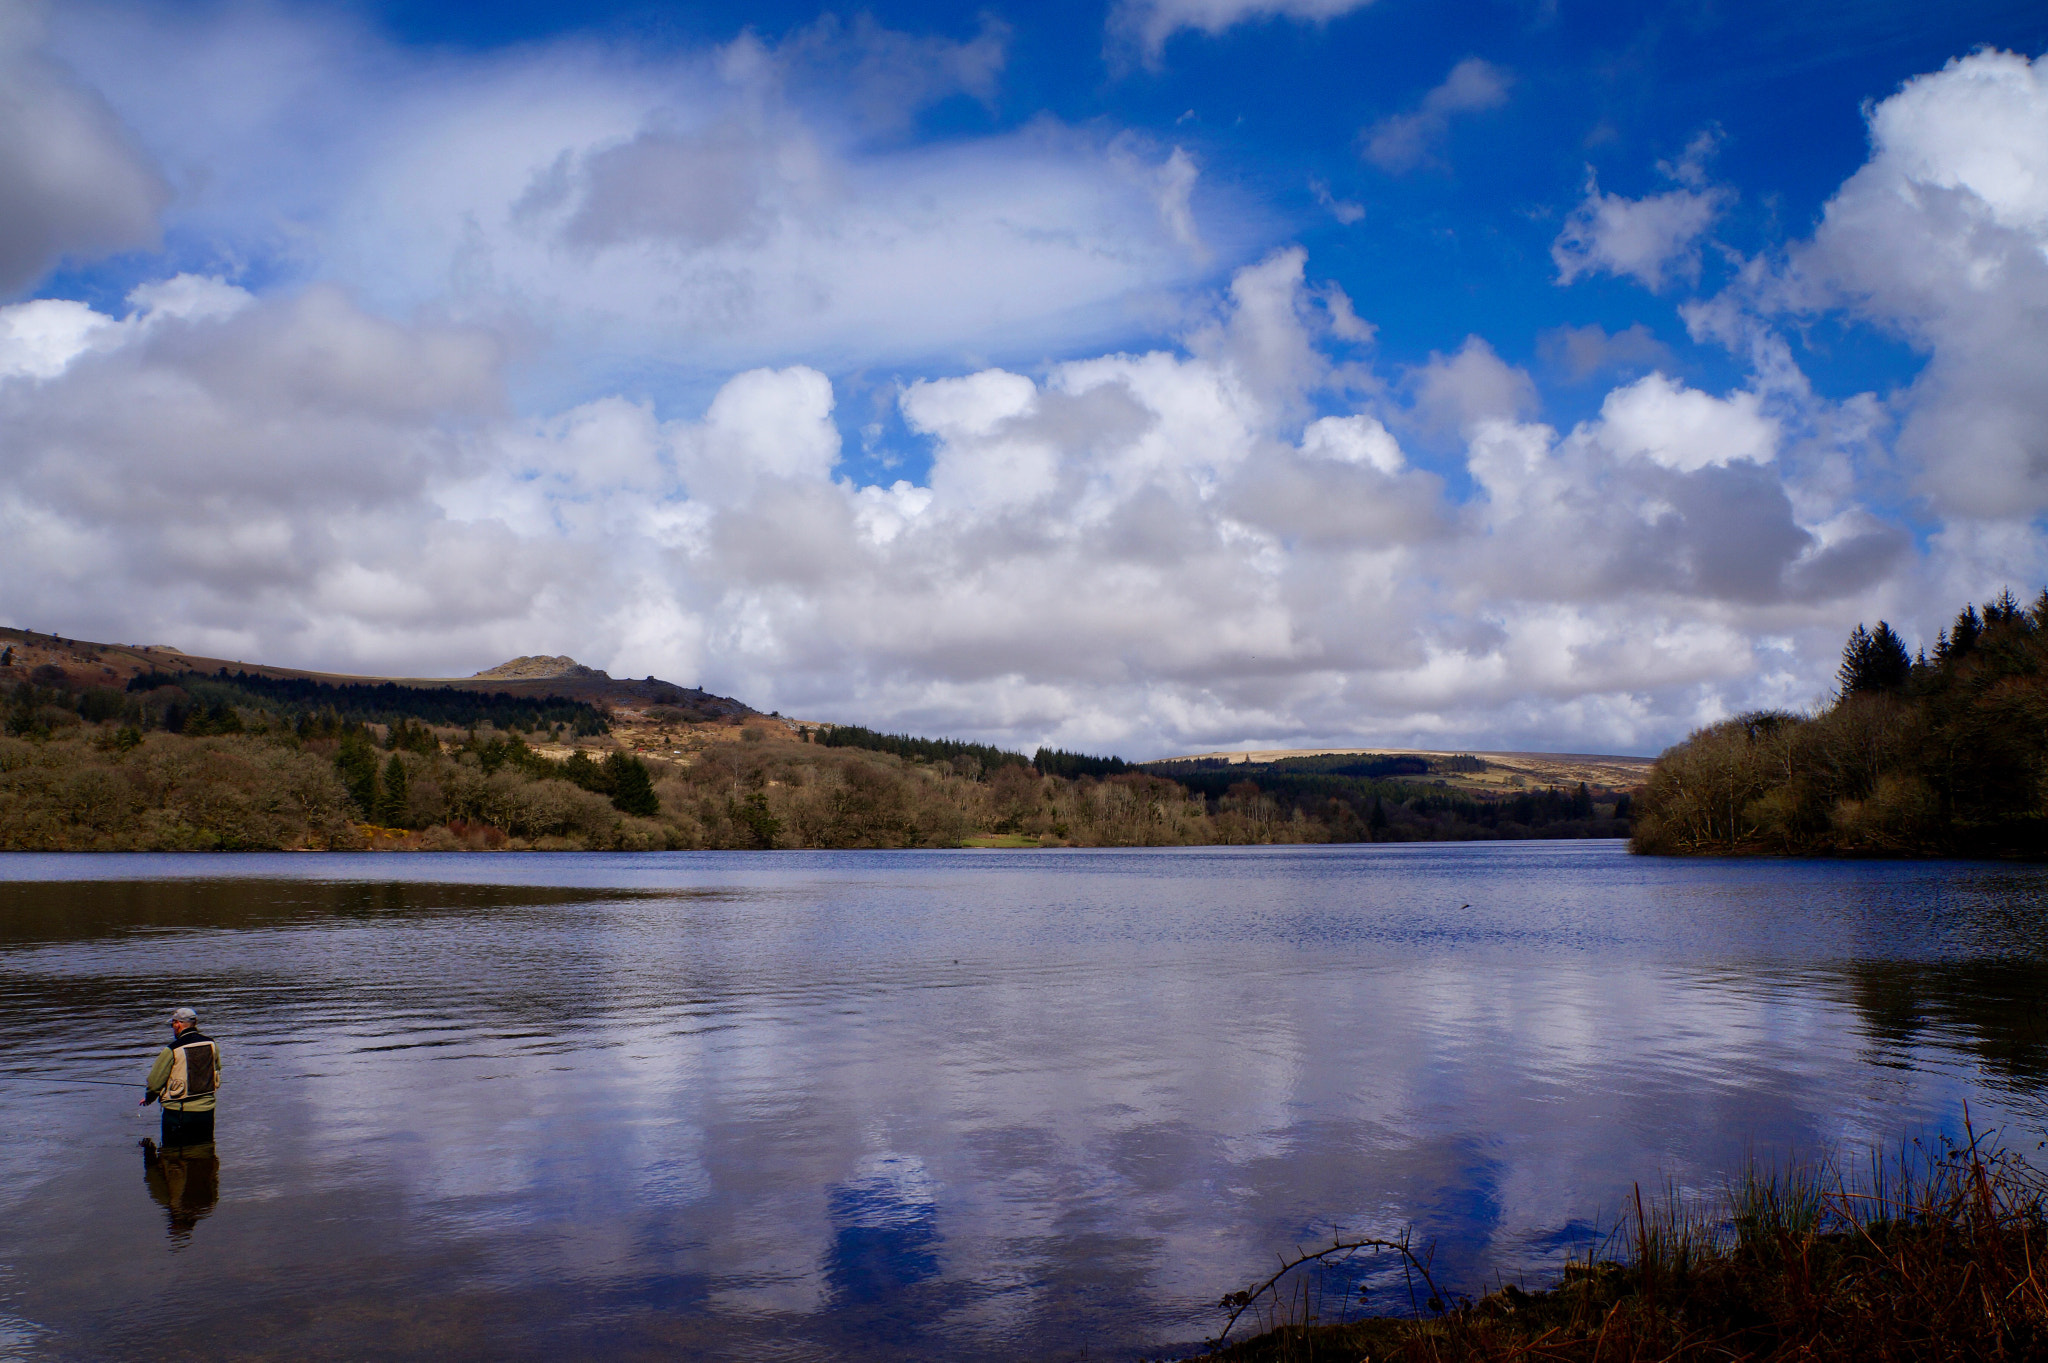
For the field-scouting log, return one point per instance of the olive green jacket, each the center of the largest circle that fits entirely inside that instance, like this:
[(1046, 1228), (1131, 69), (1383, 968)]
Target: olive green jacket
[(160, 1074)]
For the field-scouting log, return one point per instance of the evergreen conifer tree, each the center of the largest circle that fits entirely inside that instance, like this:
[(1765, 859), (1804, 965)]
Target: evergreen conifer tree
[(1963, 636), (1892, 667), (356, 760), (632, 788), (391, 804), (1874, 662), (582, 771)]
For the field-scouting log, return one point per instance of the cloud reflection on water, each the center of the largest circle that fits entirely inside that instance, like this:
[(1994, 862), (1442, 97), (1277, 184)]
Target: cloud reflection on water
[(928, 1105)]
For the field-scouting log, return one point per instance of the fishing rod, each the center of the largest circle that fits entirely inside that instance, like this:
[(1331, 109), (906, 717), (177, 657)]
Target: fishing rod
[(60, 1079)]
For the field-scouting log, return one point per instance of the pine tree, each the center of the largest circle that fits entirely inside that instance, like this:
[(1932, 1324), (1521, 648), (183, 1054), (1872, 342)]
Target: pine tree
[(356, 760), (752, 814), (1891, 667), (1874, 663), (632, 788), (1963, 636), (391, 805), (410, 735), (1855, 662), (582, 771)]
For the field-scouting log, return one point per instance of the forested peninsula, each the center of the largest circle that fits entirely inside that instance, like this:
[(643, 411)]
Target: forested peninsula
[(113, 748), (1917, 756)]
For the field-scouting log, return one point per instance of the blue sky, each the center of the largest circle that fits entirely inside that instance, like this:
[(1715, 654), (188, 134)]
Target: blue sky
[(1150, 376)]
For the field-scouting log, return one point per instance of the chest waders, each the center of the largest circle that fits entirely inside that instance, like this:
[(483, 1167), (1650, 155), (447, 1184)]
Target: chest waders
[(195, 1074)]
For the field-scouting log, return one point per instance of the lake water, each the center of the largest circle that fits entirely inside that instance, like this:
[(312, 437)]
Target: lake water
[(958, 1105)]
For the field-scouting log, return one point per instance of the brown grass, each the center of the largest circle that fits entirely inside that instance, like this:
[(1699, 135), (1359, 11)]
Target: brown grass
[(1929, 1254)]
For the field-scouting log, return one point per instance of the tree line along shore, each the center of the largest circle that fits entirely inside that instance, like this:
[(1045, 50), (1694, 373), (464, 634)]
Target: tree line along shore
[(231, 761), (1942, 753), (1939, 754)]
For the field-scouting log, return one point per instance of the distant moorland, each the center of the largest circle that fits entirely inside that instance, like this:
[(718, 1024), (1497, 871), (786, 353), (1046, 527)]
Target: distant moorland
[(1917, 756), (117, 748)]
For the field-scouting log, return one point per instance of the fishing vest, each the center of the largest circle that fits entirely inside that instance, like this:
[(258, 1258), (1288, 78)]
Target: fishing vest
[(195, 1071)]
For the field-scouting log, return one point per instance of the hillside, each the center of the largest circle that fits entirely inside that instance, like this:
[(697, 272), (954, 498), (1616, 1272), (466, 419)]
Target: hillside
[(129, 747), (1495, 773), (80, 663)]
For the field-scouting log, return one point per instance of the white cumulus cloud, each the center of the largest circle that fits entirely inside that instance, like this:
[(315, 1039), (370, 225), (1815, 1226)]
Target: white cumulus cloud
[(1401, 142), (1149, 551), (1147, 24), (1581, 352), (1684, 429), (652, 221), (1942, 238), (1652, 239)]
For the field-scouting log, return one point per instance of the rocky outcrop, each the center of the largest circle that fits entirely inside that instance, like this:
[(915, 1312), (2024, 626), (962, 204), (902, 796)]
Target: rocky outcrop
[(535, 665)]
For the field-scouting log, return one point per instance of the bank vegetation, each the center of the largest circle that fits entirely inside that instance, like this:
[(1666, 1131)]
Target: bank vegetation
[(1935, 755), (1933, 1255), (227, 762)]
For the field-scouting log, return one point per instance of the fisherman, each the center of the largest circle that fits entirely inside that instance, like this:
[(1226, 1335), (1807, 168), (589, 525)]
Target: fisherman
[(185, 1078)]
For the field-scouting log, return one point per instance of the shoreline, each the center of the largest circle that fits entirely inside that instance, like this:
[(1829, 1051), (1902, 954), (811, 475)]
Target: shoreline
[(1934, 1254)]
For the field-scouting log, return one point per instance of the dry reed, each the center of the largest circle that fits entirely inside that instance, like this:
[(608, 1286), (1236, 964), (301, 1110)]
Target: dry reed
[(1928, 1252)]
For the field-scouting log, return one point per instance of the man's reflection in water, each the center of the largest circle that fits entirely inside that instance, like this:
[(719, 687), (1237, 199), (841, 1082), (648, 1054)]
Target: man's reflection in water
[(185, 1181)]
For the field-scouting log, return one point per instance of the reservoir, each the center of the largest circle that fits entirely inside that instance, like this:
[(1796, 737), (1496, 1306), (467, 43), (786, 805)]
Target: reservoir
[(937, 1105)]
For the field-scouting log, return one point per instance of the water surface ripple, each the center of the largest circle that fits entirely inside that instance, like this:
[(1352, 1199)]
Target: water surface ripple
[(959, 1105)]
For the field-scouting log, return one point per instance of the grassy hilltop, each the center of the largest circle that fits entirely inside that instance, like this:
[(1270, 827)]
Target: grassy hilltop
[(116, 747)]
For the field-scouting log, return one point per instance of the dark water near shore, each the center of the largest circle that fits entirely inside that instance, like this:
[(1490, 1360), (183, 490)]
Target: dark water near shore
[(935, 1105)]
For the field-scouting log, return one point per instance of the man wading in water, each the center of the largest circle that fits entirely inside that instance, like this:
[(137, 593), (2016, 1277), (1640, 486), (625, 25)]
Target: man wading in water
[(185, 1077)]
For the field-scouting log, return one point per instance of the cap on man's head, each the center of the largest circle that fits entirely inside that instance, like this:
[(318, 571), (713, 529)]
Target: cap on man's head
[(184, 1015)]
